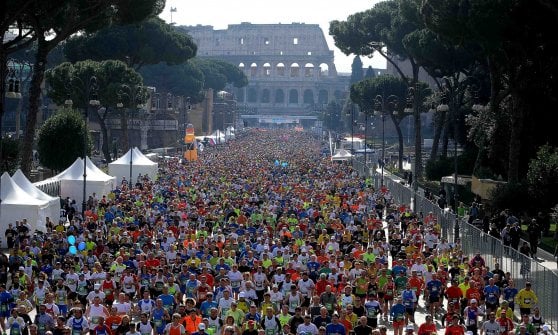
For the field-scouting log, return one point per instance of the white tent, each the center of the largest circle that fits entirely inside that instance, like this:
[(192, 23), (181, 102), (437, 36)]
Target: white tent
[(229, 132), (71, 181), (18, 204), (218, 136), (341, 155), (140, 165), (53, 209)]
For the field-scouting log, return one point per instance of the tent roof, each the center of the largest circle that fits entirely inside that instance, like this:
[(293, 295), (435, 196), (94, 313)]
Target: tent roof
[(12, 194), (342, 153), (137, 159), (22, 181), (75, 172)]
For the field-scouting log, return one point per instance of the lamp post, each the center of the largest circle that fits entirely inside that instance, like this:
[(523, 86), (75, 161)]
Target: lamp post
[(133, 93), (444, 107), (91, 91), (13, 85), (415, 95), (381, 109)]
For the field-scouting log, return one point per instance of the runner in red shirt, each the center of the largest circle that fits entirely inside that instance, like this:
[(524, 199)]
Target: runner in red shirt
[(455, 328)]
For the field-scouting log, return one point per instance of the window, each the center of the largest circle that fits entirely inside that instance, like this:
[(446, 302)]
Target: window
[(267, 69), (280, 69), (293, 96), (279, 96), (295, 41), (266, 41), (309, 53), (241, 41), (253, 70), (295, 69), (265, 96)]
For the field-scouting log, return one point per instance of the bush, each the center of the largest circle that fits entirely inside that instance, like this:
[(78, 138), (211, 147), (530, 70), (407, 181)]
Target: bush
[(61, 139), (512, 196), (441, 167)]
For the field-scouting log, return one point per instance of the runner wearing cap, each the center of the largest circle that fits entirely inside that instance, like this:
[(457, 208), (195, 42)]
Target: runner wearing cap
[(397, 316), (472, 316), (176, 328)]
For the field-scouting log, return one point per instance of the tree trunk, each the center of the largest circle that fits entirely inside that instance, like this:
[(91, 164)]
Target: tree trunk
[(104, 132), (445, 142), (124, 129), (26, 153), (418, 136), (397, 124), (3, 74), (437, 134), (516, 122)]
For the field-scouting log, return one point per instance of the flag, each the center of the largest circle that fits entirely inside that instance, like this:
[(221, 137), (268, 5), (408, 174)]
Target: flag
[(173, 9)]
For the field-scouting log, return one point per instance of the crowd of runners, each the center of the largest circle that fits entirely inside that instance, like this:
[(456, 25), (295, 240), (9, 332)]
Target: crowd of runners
[(264, 235)]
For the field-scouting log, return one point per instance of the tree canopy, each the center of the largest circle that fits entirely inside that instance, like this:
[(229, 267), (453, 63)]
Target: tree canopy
[(138, 44), (50, 23), (61, 139), (71, 81)]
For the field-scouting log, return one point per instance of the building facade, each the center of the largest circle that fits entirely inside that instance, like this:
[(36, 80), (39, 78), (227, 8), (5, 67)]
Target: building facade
[(290, 67)]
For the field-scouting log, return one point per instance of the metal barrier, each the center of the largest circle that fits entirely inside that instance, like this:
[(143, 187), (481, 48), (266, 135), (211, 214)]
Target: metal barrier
[(51, 188), (521, 267)]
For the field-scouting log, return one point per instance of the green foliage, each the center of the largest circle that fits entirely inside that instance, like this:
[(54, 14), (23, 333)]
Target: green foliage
[(190, 78), (61, 139), (511, 195), (149, 42), (217, 74), (333, 117), (364, 92), (10, 149), (183, 79), (438, 168), (542, 177), (370, 73), (72, 81), (356, 70)]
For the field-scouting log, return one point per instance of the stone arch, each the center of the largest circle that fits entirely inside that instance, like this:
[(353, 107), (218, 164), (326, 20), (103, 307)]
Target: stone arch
[(280, 68), (308, 97), (253, 69), (267, 70), (295, 70), (279, 96), (265, 98), (252, 95), (240, 94), (241, 66), (323, 96), (293, 96), (309, 70), (324, 70), (338, 94)]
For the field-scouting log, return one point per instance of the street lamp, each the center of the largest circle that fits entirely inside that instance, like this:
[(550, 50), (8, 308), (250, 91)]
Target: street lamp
[(444, 107), (134, 93), (91, 92), (380, 109), (13, 85), (415, 94)]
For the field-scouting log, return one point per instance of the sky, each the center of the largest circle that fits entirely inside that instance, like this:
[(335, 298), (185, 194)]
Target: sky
[(220, 13)]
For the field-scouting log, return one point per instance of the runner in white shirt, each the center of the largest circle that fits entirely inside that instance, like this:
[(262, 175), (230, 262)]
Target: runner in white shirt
[(307, 327)]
